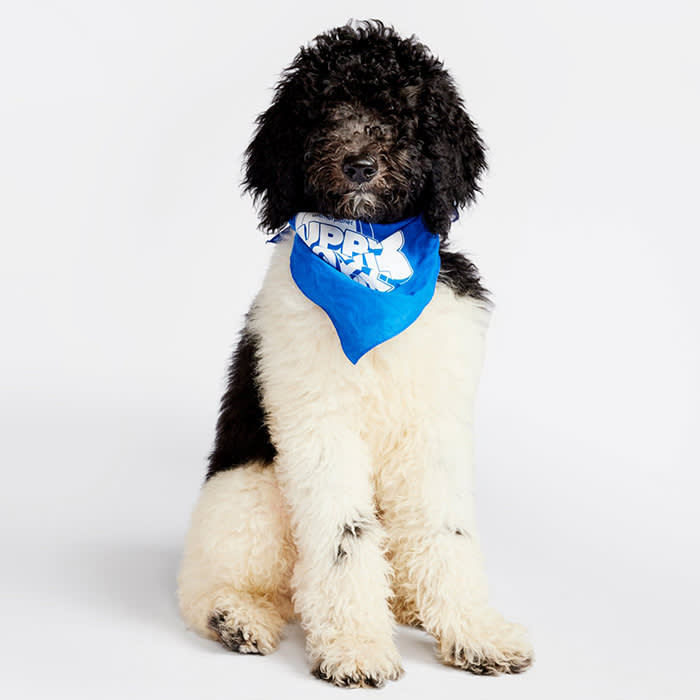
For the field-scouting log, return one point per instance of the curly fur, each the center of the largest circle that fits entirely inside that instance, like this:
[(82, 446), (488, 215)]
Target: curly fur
[(365, 89), (342, 494)]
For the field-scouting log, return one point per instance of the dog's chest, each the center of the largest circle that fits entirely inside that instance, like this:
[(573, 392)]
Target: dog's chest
[(414, 381)]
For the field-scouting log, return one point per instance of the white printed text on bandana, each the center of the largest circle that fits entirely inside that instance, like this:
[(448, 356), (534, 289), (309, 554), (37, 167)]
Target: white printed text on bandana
[(375, 264)]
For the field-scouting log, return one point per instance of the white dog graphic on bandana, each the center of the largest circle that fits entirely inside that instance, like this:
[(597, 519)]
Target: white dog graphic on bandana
[(375, 264)]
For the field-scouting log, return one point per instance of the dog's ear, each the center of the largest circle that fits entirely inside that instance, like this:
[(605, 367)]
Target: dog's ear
[(454, 149), (273, 161)]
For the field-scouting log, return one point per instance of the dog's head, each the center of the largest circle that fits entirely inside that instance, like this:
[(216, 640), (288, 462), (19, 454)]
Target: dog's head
[(365, 125)]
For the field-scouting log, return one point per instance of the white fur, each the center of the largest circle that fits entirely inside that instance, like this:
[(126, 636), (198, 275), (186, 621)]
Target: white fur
[(385, 445)]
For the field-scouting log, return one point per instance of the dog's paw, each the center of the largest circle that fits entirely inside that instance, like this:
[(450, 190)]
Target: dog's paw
[(362, 668), (247, 634), (486, 663), (489, 647)]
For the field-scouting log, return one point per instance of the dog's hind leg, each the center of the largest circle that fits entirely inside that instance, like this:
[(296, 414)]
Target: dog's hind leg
[(233, 585)]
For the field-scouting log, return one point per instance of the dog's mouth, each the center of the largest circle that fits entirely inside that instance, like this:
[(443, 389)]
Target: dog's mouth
[(343, 200), (384, 196), (359, 203)]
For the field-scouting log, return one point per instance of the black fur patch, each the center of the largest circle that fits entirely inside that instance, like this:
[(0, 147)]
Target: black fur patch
[(360, 680), (351, 530), (490, 667), (241, 431), (461, 275), (234, 639)]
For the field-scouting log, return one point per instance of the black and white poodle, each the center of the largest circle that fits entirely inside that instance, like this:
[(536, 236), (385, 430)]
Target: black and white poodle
[(339, 490)]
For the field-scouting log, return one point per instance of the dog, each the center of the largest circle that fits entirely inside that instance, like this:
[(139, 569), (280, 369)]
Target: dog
[(339, 488)]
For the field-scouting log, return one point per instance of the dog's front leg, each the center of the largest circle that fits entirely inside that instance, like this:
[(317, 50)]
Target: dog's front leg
[(440, 582), (341, 579)]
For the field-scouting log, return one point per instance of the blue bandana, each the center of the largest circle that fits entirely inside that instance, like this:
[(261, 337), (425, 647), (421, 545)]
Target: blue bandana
[(373, 280)]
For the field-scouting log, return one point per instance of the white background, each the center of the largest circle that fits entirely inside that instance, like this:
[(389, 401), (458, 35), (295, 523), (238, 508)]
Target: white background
[(127, 260)]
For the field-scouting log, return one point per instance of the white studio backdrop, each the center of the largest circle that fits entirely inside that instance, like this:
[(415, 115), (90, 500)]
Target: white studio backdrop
[(129, 257)]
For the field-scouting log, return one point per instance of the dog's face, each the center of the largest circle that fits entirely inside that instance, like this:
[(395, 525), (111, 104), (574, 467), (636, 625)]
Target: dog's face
[(361, 162), (365, 125)]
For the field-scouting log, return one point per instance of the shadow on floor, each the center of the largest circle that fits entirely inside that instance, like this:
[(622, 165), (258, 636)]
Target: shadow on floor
[(137, 581)]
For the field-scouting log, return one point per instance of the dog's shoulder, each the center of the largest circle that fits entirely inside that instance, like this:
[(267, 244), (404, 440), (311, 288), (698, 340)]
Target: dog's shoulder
[(461, 275), (242, 435)]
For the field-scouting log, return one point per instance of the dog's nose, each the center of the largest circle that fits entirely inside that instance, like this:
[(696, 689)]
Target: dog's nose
[(359, 168)]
